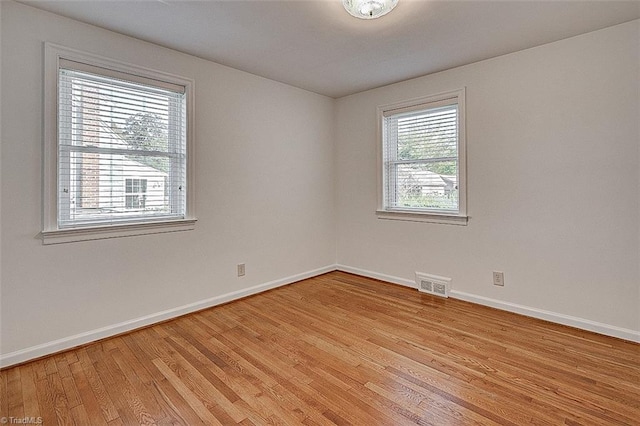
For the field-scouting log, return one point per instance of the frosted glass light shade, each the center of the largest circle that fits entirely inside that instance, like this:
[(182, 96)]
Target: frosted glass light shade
[(369, 9)]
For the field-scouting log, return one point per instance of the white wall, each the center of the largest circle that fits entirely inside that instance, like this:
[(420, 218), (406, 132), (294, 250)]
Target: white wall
[(553, 184), (0, 180), (264, 195), (554, 191)]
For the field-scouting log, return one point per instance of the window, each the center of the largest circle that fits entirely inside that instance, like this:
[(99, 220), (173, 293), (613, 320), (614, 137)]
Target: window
[(422, 160), (116, 149)]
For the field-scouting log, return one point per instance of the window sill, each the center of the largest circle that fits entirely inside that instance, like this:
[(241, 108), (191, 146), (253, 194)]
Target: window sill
[(413, 216), (60, 236)]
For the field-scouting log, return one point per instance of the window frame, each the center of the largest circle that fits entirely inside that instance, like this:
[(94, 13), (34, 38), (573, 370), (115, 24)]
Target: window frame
[(423, 214), (51, 232)]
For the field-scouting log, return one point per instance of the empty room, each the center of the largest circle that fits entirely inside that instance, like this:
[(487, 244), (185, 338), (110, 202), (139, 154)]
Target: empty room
[(320, 212)]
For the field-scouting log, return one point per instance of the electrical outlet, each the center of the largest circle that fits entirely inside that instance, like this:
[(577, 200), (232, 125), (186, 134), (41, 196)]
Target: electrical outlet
[(241, 269), (498, 278)]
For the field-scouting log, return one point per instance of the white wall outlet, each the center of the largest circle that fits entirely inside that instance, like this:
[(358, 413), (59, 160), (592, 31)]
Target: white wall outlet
[(498, 278), (241, 269)]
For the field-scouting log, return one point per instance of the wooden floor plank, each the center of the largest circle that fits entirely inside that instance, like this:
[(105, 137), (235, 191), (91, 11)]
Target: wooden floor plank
[(58, 398), (47, 406), (15, 405), (29, 393), (4, 392), (194, 402), (88, 395), (86, 370), (336, 349)]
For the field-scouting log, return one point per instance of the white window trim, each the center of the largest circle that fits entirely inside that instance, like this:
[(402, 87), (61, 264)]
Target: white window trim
[(418, 215), (51, 234)]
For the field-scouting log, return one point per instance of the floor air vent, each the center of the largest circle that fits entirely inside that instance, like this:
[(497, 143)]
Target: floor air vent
[(433, 284)]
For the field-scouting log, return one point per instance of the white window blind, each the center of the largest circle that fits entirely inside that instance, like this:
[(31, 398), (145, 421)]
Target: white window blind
[(121, 148), (421, 158)]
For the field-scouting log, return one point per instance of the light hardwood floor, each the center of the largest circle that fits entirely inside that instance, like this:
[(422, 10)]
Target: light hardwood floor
[(336, 349)]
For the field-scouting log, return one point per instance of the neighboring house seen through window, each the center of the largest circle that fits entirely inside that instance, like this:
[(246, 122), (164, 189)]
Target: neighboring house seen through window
[(422, 170), (121, 146)]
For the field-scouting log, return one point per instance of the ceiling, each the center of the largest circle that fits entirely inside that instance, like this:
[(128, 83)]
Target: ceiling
[(316, 45)]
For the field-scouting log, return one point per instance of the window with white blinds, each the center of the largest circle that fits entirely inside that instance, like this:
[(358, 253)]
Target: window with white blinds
[(121, 148), (423, 156)]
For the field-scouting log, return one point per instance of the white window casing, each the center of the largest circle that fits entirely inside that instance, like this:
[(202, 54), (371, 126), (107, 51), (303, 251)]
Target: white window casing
[(118, 149), (422, 159)]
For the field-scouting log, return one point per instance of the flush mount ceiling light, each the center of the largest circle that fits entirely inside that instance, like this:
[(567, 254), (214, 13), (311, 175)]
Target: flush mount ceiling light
[(369, 9)]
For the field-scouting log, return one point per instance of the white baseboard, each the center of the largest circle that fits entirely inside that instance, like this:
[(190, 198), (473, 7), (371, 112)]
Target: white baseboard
[(581, 323), (65, 343), (377, 276), (59, 345)]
